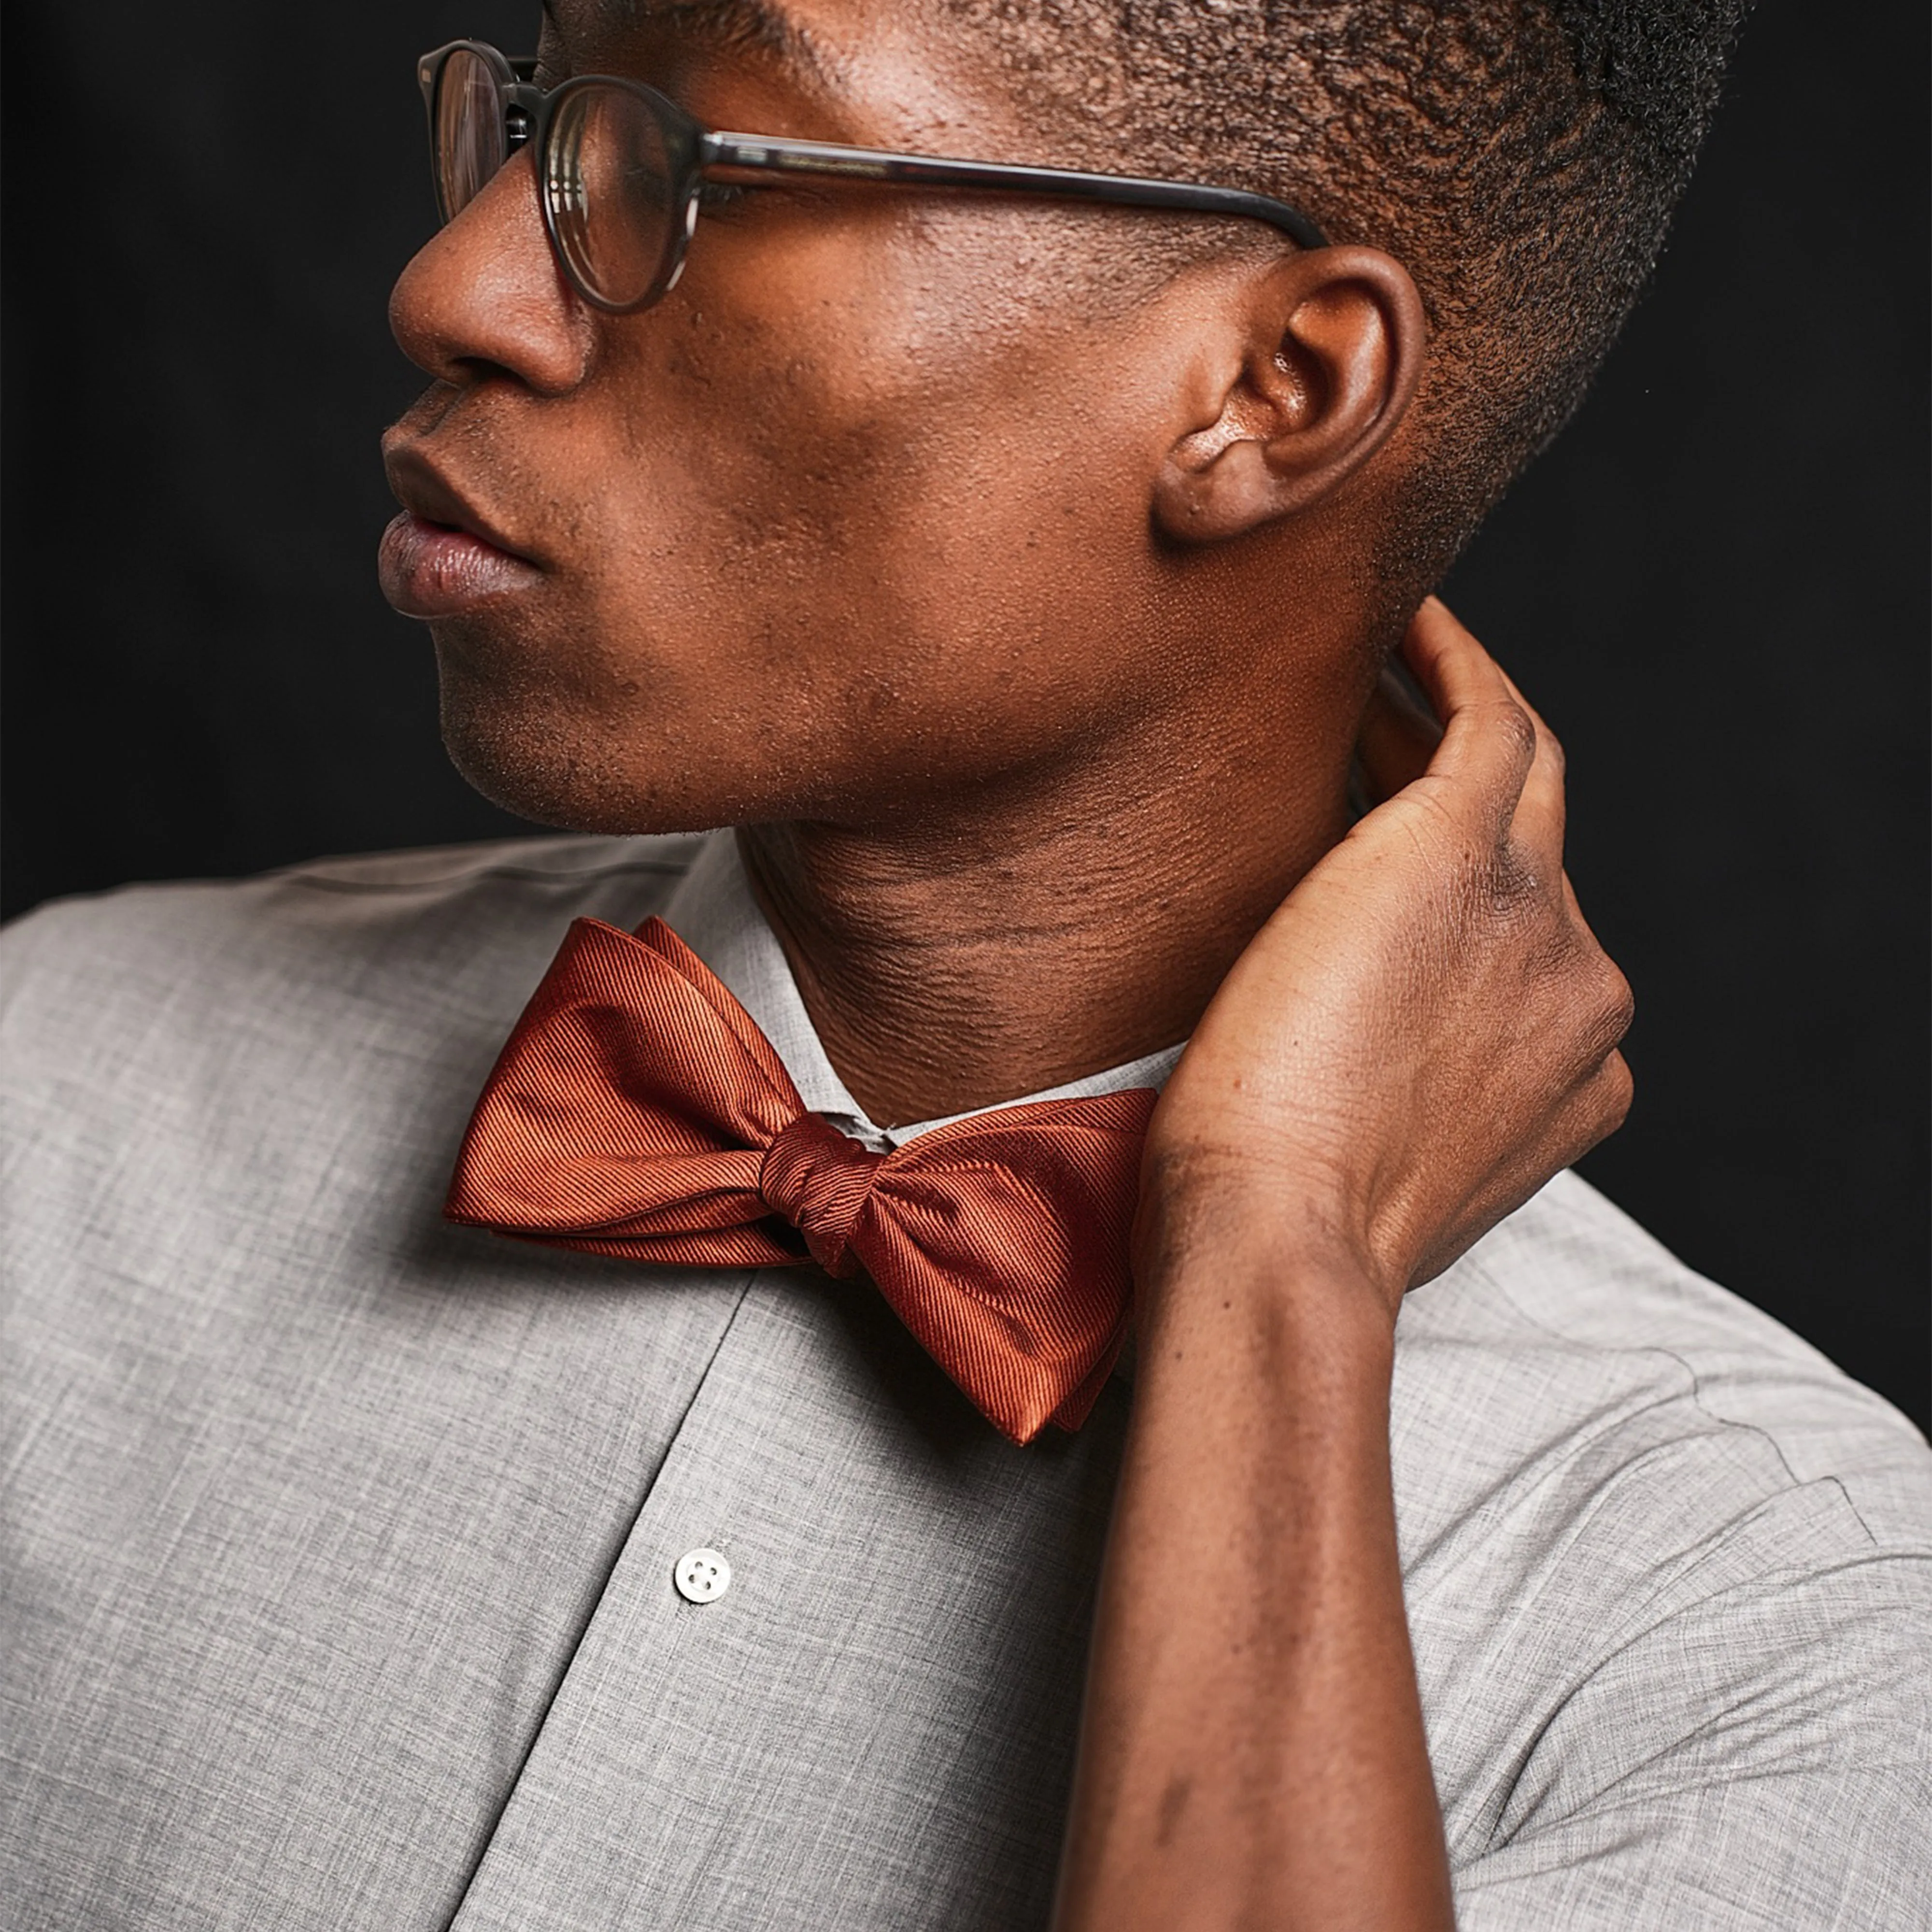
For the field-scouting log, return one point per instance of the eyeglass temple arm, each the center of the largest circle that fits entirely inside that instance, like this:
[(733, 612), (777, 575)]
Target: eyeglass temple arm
[(825, 158), (819, 158)]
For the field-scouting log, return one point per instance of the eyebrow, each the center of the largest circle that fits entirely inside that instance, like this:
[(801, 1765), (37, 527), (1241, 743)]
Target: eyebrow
[(736, 26), (755, 25)]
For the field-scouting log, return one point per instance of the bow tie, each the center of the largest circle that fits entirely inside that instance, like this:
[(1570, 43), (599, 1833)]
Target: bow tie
[(638, 1111)]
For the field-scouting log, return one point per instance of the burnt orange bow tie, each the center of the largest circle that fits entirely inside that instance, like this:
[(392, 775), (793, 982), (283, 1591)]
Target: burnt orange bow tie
[(638, 1111)]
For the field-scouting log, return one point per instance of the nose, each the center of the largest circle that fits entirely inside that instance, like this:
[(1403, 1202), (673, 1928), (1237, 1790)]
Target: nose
[(483, 296)]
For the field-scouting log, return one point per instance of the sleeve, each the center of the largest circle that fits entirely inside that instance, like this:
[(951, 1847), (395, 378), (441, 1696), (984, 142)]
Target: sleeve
[(1761, 1758)]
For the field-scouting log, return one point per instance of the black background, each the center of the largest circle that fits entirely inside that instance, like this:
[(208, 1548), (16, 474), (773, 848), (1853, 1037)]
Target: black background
[(1715, 585)]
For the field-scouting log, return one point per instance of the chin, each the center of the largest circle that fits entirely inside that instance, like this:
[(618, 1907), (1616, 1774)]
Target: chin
[(549, 763), (548, 770)]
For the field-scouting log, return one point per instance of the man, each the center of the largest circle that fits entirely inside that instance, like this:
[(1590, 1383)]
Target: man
[(1012, 560)]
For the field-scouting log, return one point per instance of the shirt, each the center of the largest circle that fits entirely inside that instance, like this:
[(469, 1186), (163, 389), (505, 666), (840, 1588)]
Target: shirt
[(337, 1557)]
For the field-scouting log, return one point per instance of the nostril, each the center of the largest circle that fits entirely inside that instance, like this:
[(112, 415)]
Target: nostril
[(478, 369)]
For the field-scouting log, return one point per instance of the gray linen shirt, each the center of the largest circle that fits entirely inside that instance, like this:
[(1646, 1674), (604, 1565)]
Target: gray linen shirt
[(338, 1543)]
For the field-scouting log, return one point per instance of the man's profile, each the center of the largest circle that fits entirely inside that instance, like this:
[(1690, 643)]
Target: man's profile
[(1058, 1192)]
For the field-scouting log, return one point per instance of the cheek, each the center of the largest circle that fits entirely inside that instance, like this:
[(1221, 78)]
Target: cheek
[(819, 537), (919, 474)]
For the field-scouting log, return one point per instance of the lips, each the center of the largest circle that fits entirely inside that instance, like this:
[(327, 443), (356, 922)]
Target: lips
[(438, 559), (434, 570)]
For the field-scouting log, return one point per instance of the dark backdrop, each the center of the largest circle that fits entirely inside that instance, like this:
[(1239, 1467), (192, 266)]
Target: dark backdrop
[(1715, 585)]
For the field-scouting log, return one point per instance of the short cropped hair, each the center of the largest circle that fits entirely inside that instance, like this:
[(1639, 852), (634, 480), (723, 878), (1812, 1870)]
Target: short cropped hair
[(1521, 158)]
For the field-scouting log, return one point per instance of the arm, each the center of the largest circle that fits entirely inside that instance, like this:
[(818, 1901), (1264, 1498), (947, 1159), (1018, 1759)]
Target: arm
[(1423, 1033), (1253, 1752)]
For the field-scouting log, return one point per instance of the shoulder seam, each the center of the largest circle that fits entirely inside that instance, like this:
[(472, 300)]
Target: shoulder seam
[(1695, 1392)]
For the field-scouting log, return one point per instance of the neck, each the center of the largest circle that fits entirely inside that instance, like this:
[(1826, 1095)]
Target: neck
[(991, 947)]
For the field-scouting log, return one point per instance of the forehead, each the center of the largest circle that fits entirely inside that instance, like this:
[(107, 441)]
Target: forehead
[(888, 66)]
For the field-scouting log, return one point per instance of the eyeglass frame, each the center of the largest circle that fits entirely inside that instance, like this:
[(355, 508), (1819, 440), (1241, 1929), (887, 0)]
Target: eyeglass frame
[(529, 110)]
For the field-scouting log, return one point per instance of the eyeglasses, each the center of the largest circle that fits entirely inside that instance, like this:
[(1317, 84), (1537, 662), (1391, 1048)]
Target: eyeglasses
[(622, 170)]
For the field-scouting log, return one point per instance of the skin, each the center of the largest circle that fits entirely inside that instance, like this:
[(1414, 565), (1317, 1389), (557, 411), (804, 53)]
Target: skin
[(1025, 627), (1422, 1031), (803, 534)]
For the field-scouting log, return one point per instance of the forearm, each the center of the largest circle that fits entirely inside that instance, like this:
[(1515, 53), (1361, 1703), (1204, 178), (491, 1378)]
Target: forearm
[(1252, 1751)]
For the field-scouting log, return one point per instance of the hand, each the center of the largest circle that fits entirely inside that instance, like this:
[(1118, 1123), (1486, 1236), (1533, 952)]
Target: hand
[(1426, 1030)]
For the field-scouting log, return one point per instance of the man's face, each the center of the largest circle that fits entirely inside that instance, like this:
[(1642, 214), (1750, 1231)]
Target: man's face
[(856, 517)]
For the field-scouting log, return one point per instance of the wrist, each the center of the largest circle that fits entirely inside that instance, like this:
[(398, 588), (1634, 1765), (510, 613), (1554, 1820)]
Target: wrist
[(1298, 1316), (1265, 1353), (1257, 1226)]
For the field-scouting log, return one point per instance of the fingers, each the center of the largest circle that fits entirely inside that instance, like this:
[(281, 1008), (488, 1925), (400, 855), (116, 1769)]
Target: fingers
[(1608, 1097), (1573, 1087), (1595, 1109), (1398, 739), (1592, 1111), (1489, 743), (1502, 766), (1542, 809), (1585, 1118)]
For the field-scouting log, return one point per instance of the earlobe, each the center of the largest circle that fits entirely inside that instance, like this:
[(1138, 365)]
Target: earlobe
[(1330, 353)]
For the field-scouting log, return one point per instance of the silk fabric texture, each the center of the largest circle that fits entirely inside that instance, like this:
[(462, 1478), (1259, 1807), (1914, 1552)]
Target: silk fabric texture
[(637, 1110)]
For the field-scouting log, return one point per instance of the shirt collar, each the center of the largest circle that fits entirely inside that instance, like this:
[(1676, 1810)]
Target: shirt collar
[(712, 911)]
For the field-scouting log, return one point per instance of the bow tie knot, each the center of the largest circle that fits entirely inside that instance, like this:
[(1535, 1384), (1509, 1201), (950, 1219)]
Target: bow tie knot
[(818, 1179)]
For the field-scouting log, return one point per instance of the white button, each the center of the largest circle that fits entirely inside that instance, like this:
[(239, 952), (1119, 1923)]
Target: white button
[(702, 1576)]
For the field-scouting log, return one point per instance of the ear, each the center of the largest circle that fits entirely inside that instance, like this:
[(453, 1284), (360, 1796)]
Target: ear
[(1319, 360)]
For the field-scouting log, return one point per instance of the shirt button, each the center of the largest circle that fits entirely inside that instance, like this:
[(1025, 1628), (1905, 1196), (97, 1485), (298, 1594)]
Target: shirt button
[(702, 1576)]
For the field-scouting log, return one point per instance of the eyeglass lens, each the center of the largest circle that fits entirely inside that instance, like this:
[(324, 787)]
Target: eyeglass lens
[(470, 142), (609, 178)]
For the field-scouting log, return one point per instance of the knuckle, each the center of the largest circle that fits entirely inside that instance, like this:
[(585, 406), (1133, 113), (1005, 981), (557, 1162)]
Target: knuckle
[(1517, 884), (1500, 721), (1609, 1002), (1618, 1089), (1598, 1108), (1619, 1002), (1516, 724)]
